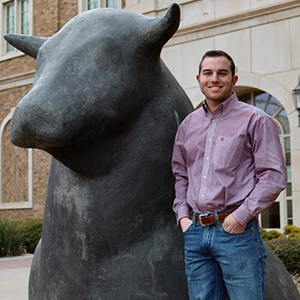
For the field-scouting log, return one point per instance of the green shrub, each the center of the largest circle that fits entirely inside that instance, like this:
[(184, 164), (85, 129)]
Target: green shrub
[(270, 235), (292, 231), (11, 238), (264, 234), (288, 251), (32, 229), (17, 237)]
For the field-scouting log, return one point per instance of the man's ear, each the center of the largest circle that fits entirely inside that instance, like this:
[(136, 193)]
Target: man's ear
[(235, 79)]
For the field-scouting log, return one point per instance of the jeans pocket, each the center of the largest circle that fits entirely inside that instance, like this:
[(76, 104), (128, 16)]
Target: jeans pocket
[(188, 229), (249, 228)]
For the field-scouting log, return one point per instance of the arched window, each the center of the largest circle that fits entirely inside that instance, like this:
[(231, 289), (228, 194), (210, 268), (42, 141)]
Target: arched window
[(280, 213), (16, 172)]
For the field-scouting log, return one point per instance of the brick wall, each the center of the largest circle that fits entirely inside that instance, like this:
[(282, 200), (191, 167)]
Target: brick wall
[(15, 73)]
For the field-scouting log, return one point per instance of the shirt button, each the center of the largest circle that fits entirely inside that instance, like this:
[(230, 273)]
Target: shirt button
[(202, 196), (204, 176), (207, 158), (209, 139)]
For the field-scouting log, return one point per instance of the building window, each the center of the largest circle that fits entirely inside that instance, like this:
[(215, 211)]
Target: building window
[(25, 17), (270, 218), (16, 172), (16, 17), (93, 4), (111, 3), (280, 213), (84, 5), (10, 23)]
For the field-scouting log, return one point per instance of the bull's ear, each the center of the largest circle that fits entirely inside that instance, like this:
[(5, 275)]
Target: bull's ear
[(28, 44), (163, 28)]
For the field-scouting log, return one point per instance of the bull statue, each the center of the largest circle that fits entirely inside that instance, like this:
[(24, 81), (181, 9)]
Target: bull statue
[(105, 106)]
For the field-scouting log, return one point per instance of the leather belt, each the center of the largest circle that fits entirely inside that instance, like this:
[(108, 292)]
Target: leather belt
[(209, 218)]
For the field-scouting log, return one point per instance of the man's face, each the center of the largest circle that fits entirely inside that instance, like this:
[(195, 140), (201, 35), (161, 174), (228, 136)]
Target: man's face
[(216, 80)]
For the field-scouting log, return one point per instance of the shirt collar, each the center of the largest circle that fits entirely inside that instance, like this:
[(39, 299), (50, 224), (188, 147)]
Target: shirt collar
[(224, 107)]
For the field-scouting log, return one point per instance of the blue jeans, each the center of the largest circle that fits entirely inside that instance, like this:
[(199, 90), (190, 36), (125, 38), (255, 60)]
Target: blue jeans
[(219, 263)]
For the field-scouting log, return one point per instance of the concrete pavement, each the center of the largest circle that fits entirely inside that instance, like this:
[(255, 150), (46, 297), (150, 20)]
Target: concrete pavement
[(14, 275)]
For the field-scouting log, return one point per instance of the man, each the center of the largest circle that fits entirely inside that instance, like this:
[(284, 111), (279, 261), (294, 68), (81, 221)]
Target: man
[(229, 167)]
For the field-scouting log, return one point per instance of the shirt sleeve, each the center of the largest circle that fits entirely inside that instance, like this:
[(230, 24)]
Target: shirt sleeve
[(271, 175), (179, 167)]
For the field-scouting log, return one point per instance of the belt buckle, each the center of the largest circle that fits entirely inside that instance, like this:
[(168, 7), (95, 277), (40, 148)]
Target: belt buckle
[(200, 219)]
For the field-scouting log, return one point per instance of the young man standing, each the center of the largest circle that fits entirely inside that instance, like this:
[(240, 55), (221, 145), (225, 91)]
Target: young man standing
[(229, 167)]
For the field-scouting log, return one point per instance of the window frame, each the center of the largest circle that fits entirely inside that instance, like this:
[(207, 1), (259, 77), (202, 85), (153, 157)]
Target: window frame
[(4, 54)]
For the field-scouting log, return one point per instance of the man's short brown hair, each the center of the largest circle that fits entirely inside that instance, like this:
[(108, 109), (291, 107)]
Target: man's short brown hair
[(218, 53)]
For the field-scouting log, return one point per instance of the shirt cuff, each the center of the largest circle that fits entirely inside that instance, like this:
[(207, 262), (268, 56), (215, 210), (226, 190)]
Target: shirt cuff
[(183, 212), (242, 215)]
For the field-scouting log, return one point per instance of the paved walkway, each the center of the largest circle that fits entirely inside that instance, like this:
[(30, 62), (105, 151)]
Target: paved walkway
[(14, 275)]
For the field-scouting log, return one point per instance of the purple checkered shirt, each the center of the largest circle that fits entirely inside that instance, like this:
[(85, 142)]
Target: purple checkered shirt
[(230, 157)]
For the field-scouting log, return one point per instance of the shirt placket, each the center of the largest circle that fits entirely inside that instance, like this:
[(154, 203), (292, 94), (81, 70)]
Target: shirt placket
[(202, 201)]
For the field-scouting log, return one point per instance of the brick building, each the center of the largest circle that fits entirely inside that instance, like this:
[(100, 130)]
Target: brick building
[(24, 173), (260, 35)]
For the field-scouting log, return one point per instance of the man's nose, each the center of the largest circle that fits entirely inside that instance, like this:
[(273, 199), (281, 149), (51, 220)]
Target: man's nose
[(215, 77)]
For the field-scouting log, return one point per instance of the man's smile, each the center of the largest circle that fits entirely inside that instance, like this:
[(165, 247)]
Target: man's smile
[(215, 87)]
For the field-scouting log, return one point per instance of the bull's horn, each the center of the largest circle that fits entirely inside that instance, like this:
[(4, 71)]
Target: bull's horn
[(28, 44), (164, 27)]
